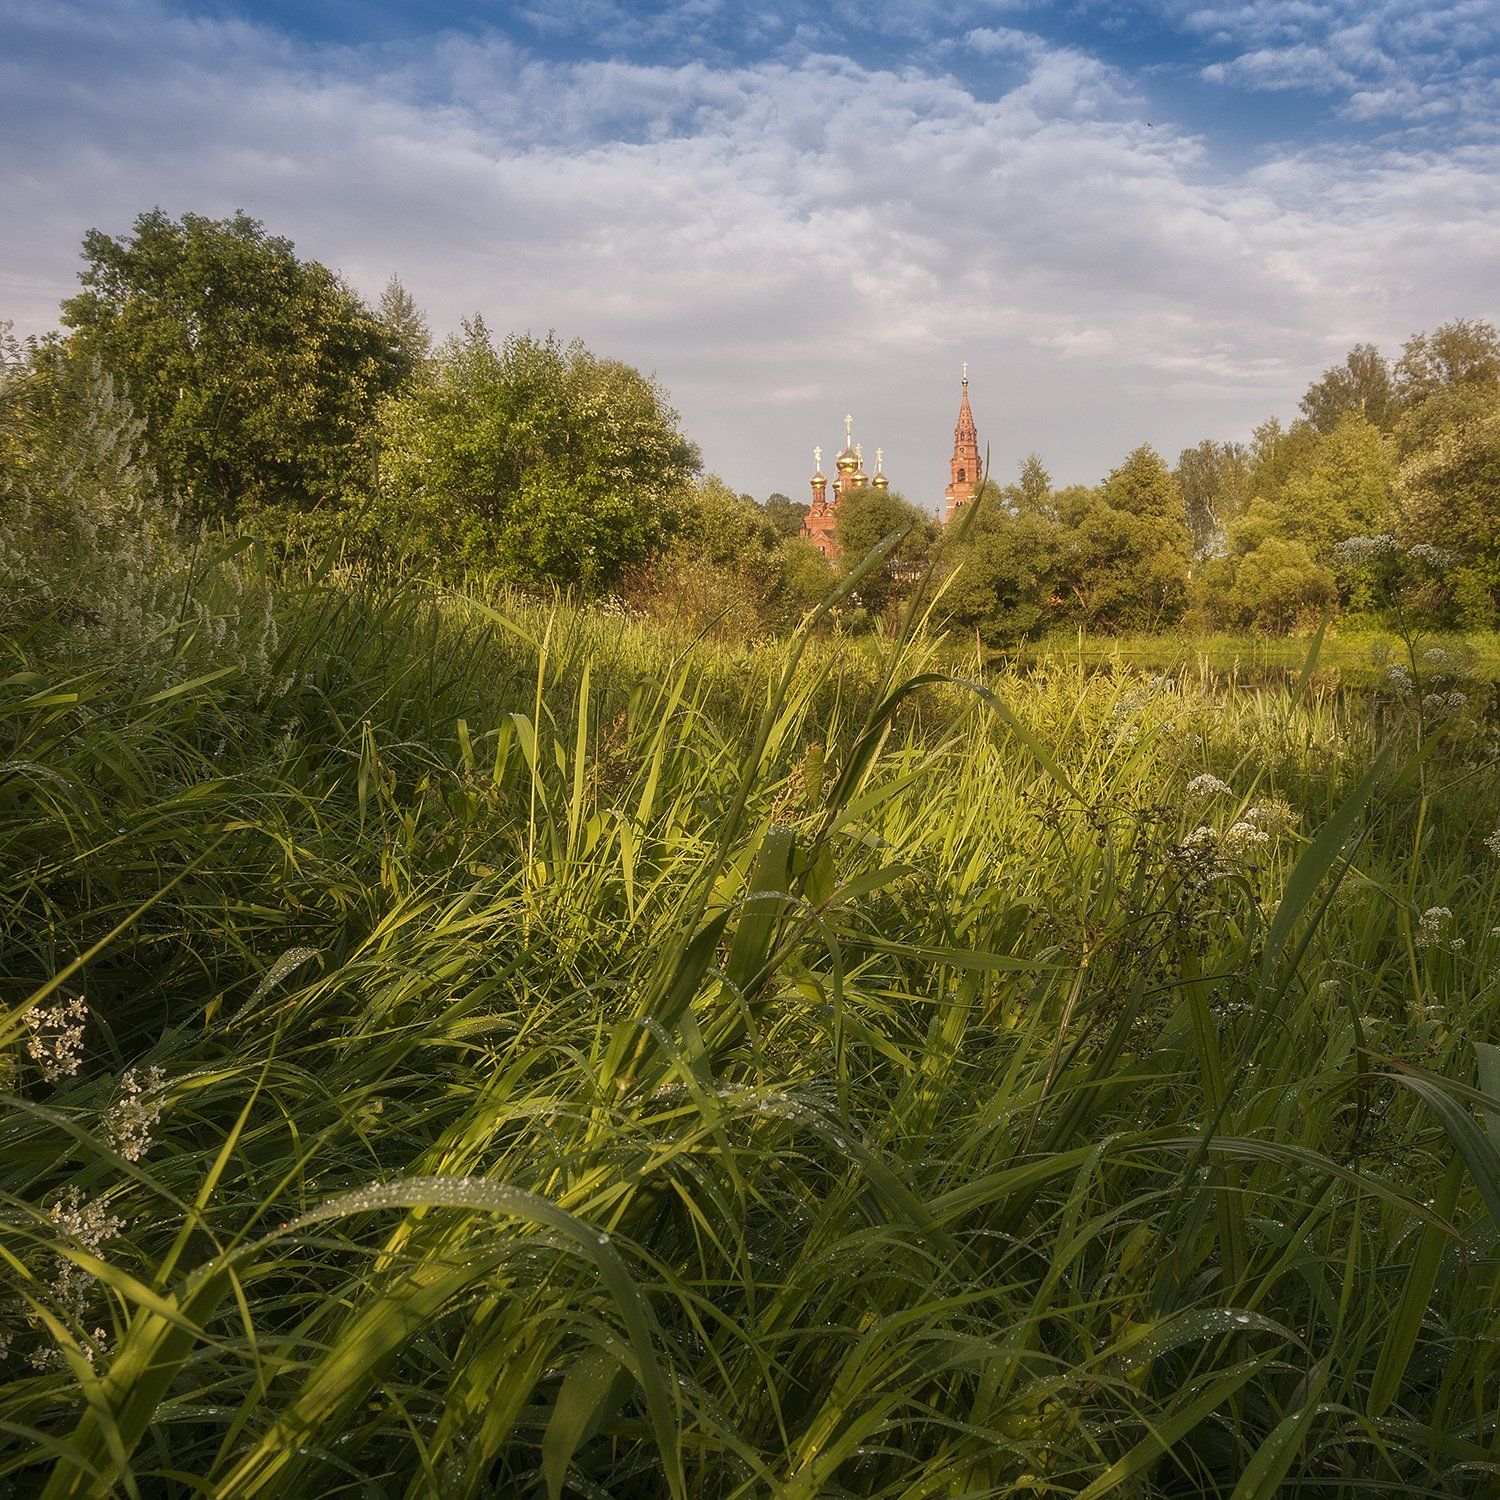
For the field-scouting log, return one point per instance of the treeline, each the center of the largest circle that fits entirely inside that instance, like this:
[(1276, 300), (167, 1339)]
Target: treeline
[(206, 374), (1383, 495)]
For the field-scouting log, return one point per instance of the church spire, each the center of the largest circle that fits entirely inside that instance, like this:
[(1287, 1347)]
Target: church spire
[(963, 467)]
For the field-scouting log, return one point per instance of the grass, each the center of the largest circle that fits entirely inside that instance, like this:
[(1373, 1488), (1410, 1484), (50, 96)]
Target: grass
[(594, 1063), (1355, 655)]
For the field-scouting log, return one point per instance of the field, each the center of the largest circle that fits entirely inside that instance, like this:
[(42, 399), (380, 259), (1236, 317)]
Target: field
[(457, 1046), (1354, 657)]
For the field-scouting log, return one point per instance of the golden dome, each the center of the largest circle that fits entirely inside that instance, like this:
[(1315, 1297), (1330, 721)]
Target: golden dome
[(847, 461), (881, 482)]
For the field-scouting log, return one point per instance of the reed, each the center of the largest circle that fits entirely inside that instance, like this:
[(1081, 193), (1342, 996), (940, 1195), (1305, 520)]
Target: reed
[(525, 1053)]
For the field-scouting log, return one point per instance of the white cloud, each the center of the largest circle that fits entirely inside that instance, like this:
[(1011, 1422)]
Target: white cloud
[(1400, 62), (781, 241)]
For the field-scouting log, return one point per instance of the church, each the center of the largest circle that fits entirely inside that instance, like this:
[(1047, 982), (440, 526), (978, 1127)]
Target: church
[(849, 467)]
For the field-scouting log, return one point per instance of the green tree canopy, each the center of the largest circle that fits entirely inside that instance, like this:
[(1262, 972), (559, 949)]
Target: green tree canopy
[(785, 514), (1002, 567), (398, 310), (1362, 385), (1344, 488), (537, 459), (255, 373), (1214, 481), (1449, 497), (862, 520)]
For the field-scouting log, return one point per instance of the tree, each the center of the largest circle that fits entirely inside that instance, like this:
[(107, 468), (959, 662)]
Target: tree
[(1002, 567), (255, 373), (1362, 384), (1449, 498), (536, 459), (1279, 586), (862, 519), (1125, 547), (398, 310), (1463, 352), (727, 570), (785, 514), (1344, 488), (1214, 480)]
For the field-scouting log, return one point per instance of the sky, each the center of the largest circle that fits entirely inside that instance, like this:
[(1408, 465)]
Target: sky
[(1137, 220)]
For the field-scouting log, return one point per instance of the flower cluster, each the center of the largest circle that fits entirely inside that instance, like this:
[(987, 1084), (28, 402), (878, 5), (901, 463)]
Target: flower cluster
[(55, 1039), (1200, 788), (1397, 679), (1244, 836), (89, 1224), (1355, 550), (1434, 557), (1492, 843), (1432, 929), (129, 1121), (1444, 703), (1271, 816)]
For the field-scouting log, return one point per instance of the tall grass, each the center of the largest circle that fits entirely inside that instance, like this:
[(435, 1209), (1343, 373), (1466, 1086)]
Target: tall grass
[(598, 1064)]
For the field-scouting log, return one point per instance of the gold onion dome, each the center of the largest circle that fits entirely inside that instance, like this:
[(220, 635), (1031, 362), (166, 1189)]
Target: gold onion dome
[(880, 481)]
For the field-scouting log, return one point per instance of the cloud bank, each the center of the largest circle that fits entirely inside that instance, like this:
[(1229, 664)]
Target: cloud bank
[(787, 236)]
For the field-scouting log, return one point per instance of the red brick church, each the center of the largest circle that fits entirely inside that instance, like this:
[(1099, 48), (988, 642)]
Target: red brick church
[(849, 467)]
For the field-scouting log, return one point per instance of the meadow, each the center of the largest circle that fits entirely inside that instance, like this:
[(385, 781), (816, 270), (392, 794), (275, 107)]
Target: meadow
[(458, 1045)]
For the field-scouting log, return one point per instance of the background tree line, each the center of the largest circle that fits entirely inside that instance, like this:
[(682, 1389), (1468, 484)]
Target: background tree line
[(205, 361)]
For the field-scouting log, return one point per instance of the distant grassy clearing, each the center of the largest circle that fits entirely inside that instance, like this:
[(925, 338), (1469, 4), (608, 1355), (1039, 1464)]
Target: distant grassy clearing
[(1359, 655)]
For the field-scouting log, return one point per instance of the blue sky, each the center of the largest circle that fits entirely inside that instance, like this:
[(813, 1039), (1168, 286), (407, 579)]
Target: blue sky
[(1152, 220)]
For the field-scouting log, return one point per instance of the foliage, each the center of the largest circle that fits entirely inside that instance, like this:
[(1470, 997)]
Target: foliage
[(1361, 386), (1450, 499), (398, 310), (1005, 568), (785, 514), (1126, 548), (254, 373), (727, 568), (537, 460), (529, 1053), (1278, 586), (1214, 481), (862, 519)]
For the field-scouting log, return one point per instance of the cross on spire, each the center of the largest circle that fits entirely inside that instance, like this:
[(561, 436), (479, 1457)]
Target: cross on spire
[(817, 459), (848, 431), (966, 372)]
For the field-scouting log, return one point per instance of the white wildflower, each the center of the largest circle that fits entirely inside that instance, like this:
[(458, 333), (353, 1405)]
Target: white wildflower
[(1435, 657), (1205, 786), (1444, 703), (132, 1116), (87, 1221), (1397, 679), (1492, 843), (1271, 815), (55, 1040), (1431, 925), (1244, 836)]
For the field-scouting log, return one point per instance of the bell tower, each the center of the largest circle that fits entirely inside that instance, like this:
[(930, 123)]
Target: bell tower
[(963, 467)]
